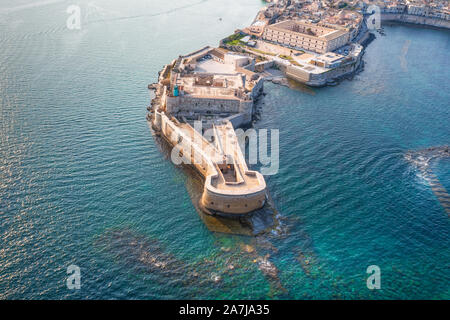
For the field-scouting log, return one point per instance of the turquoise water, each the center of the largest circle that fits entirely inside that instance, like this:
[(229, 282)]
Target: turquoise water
[(83, 182)]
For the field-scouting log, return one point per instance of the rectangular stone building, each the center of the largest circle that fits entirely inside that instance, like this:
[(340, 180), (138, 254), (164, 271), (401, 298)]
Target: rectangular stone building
[(299, 35)]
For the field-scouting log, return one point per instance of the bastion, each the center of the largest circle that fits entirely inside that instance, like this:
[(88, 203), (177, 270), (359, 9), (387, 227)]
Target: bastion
[(218, 89)]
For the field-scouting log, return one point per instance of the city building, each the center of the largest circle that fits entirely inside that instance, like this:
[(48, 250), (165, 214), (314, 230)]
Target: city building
[(306, 36)]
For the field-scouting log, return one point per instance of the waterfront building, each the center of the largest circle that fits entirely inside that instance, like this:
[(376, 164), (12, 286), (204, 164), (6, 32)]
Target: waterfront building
[(306, 36), (416, 8), (257, 28), (329, 60), (212, 82)]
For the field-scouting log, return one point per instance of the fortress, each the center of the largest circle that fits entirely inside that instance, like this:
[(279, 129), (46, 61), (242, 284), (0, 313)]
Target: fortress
[(217, 88), (211, 83)]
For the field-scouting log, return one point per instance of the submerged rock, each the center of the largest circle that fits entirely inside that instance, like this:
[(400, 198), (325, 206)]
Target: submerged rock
[(268, 268), (216, 278), (308, 262), (248, 248), (142, 254), (270, 271), (304, 263)]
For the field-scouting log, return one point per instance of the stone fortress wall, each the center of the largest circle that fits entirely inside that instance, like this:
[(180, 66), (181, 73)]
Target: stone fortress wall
[(414, 19), (240, 193)]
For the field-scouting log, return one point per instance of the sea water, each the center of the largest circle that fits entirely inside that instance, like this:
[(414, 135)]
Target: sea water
[(83, 181)]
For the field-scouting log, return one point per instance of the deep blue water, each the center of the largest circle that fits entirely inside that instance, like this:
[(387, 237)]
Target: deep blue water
[(83, 181)]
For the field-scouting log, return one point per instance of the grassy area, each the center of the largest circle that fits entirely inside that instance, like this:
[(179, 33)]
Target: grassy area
[(234, 40), (291, 60), (235, 43), (260, 59), (261, 52)]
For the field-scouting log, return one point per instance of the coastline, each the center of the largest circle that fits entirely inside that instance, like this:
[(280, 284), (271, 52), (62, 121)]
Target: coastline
[(176, 104), (415, 20), (364, 38)]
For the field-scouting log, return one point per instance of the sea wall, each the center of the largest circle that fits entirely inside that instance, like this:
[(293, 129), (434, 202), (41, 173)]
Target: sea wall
[(205, 106), (320, 79), (232, 201), (201, 105), (238, 120), (176, 136), (232, 204), (261, 66), (408, 18)]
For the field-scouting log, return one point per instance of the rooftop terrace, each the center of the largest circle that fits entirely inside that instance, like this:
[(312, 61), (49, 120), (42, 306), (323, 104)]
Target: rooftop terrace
[(213, 66)]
